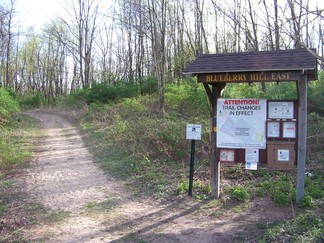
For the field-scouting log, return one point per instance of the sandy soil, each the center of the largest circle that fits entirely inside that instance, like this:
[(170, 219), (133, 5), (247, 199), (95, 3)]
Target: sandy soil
[(64, 177)]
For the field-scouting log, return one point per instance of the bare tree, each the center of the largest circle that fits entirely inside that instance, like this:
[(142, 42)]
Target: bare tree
[(79, 40), (157, 13), (295, 21), (7, 43)]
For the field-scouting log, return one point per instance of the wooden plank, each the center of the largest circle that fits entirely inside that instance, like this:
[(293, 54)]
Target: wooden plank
[(302, 136), (215, 163), (249, 77), (209, 94)]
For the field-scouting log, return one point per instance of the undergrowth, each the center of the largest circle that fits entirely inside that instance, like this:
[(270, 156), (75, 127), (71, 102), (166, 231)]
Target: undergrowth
[(147, 149), (306, 227), (14, 144), (17, 138)]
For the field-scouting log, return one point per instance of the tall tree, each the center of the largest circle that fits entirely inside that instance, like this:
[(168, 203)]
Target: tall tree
[(157, 14), (296, 24), (81, 27)]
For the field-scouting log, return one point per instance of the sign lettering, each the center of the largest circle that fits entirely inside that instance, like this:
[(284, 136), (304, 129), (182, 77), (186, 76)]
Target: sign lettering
[(241, 123), (248, 77)]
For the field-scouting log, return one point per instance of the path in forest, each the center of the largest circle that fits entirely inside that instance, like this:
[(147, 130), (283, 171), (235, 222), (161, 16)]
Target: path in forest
[(63, 177)]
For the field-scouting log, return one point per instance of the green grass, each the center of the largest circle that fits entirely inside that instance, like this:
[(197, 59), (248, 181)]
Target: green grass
[(142, 176), (38, 214), (15, 149), (18, 136), (15, 145), (104, 206), (148, 151), (306, 227)]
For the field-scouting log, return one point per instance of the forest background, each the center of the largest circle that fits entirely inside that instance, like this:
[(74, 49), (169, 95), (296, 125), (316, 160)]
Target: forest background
[(128, 42)]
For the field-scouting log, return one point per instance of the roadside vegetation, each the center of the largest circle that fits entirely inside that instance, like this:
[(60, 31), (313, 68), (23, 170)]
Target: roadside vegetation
[(18, 132), (145, 147), (136, 142)]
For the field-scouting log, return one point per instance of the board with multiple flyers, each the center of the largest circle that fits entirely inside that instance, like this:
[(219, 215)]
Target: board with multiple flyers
[(248, 124)]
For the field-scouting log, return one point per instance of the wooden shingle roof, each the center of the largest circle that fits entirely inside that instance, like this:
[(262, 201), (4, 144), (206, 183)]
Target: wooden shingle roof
[(288, 60)]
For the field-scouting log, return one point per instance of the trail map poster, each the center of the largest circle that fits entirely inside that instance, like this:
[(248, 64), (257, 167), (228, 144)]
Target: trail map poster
[(241, 123)]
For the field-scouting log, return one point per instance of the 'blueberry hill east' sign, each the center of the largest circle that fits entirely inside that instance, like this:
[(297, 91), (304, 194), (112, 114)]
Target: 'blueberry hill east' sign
[(248, 77)]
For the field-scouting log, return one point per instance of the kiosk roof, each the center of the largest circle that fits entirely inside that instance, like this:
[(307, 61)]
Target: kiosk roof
[(281, 60)]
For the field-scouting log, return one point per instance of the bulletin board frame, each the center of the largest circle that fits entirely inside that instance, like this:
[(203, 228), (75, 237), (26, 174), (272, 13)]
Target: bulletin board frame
[(289, 129), (227, 155), (273, 129)]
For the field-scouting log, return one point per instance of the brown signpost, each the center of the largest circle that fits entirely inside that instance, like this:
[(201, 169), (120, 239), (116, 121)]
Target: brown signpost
[(214, 71)]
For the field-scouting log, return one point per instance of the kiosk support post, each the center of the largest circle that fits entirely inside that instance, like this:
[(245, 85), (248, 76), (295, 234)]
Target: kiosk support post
[(214, 163), (192, 165), (302, 137)]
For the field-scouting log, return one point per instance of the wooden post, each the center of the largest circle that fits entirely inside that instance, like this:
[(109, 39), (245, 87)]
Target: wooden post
[(302, 137), (214, 161)]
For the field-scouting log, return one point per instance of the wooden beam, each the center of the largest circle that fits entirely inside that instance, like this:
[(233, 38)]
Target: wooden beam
[(302, 137), (214, 161), (209, 94)]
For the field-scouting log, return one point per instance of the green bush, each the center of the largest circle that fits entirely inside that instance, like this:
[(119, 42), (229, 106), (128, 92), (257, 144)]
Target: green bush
[(307, 201), (188, 100), (314, 185), (201, 190), (316, 95), (243, 90), (281, 190), (304, 228), (148, 85), (79, 95), (8, 104), (32, 101), (282, 90), (183, 187), (103, 93), (12, 152), (239, 193)]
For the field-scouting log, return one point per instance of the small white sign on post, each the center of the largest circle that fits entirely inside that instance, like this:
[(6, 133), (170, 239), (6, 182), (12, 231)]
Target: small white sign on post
[(251, 158), (193, 132)]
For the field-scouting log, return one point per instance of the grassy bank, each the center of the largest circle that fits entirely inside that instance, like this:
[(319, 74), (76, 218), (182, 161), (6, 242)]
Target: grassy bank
[(133, 141), (146, 149)]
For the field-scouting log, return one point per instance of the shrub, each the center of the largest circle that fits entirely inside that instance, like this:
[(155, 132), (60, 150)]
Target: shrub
[(240, 194), (201, 190), (316, 95), (304, 228), (103, 93), (183, 187), (8, 104), (307, 201), (12, 151), (187, 100), (148, 85), (32, 101)]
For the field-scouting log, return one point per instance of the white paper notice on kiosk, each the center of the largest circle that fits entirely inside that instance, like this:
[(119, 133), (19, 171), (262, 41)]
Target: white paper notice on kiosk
[(241, 123), (193, 131)]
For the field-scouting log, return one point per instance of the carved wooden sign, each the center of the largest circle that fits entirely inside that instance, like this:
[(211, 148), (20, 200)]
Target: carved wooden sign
[(248, 77)]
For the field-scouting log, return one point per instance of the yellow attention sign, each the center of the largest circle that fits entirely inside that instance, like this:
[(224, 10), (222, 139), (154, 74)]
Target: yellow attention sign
[(246, 77)]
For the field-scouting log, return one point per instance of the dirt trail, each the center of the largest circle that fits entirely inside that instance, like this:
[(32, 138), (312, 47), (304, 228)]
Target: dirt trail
[(64, 177)]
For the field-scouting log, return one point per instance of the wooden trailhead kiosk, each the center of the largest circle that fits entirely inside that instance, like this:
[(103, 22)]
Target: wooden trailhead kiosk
[(275, 131)]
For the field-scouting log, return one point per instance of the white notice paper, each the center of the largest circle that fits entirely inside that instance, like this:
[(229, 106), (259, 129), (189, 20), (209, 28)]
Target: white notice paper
[(251, 165), (241, 123), (283, 154), (281, 110), (252, 155), (193, 132)]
